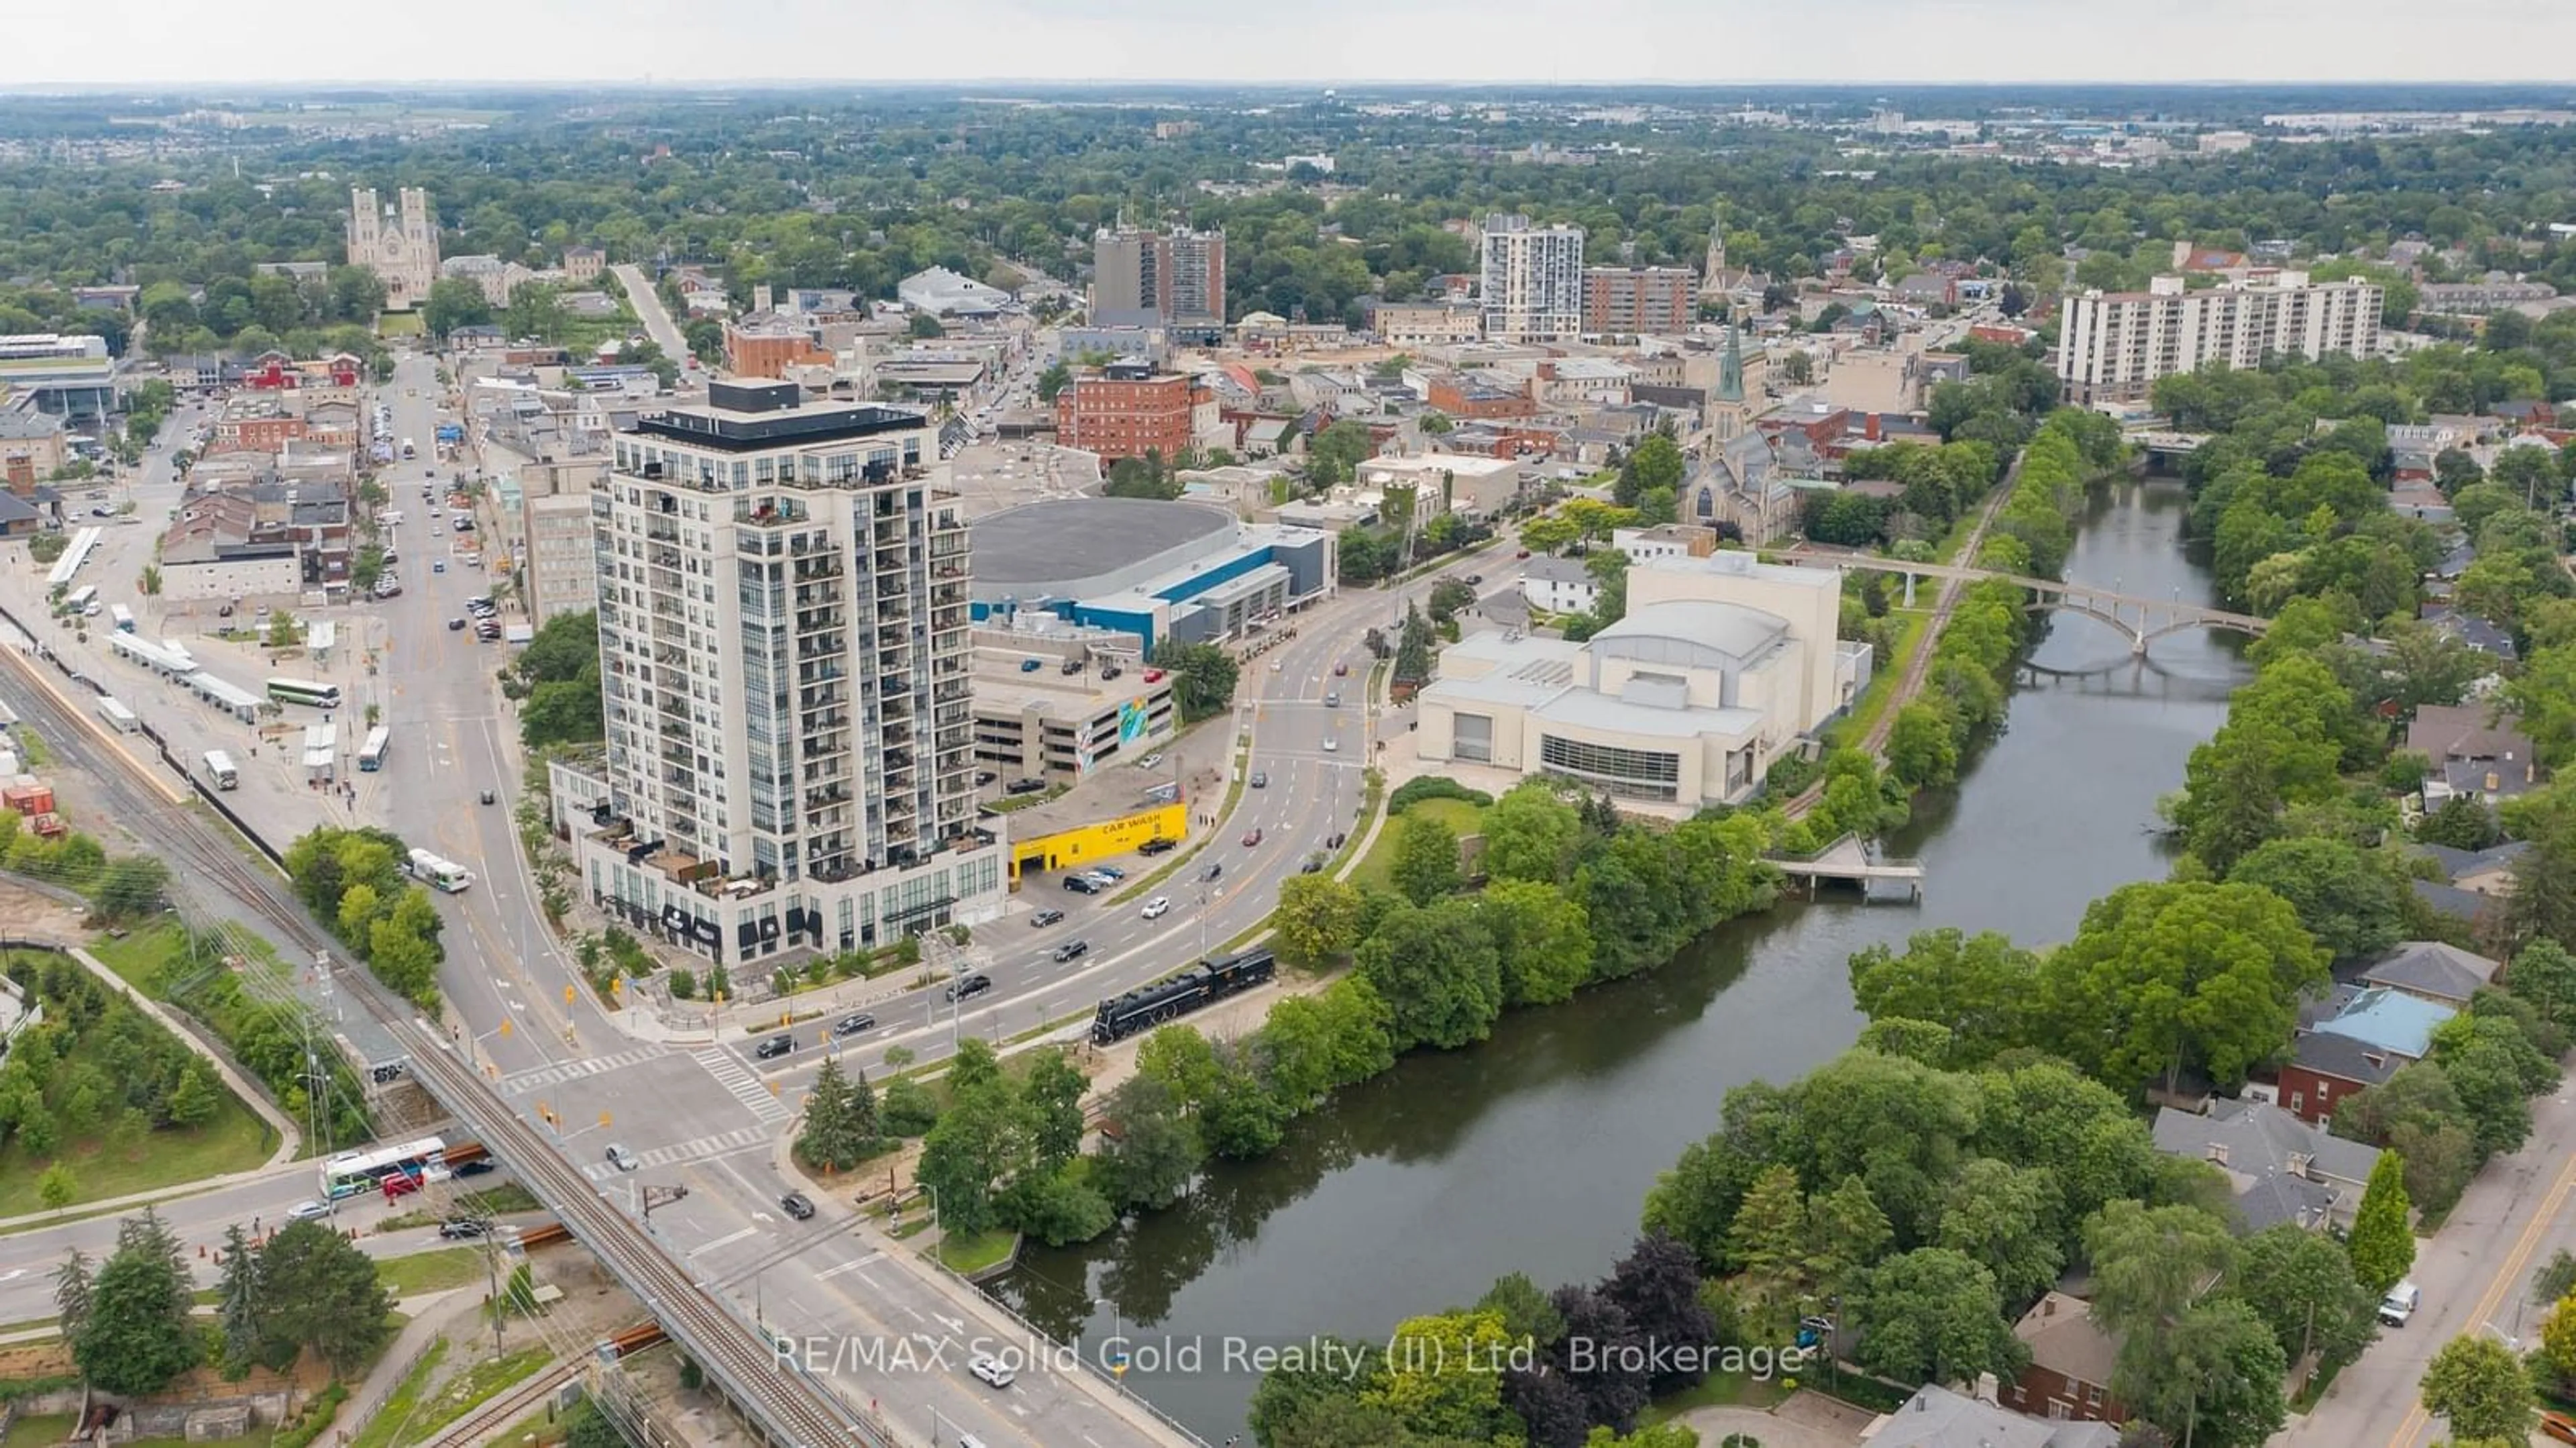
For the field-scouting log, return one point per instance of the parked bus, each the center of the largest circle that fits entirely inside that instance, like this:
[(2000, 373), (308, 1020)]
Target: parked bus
[(353, 1172), (118, 715), (371, 755), (219, 770), (305, 692), (121, 616), (83, 599), (439, 874)]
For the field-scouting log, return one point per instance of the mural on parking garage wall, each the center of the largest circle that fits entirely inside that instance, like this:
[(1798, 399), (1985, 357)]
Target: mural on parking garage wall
[(1131, 721)]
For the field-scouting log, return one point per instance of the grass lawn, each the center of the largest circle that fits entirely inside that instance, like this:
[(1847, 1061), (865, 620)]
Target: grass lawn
[(1376, 868), (1854, 727), (397, 1413), (1719, 1390), (234, 1140), (476, 1385), (975, 1253), (497, 1201), (400, 324), (430, 1271)]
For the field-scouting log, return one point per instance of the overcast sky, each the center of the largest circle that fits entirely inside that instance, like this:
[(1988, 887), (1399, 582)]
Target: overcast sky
[(175, 41)]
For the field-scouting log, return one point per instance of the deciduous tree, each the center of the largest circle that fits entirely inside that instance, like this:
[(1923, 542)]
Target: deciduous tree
[(2481, 1387)]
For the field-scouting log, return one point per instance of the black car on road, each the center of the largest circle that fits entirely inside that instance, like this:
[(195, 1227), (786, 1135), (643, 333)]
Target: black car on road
[(973, 985), (1072, 950), (775, 1046), (851, 1025), (797, 1205), (1046, 917)]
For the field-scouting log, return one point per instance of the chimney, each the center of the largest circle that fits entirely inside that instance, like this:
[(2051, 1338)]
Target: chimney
[(1987, 1389), (2495, 781), (761, 297)]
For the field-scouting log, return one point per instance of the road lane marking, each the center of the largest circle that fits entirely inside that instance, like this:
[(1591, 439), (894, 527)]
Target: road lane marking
[(2416, 1417), (727, 1240)]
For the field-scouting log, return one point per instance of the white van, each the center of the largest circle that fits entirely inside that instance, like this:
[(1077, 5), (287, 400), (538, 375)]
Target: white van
[(2400, 1304)]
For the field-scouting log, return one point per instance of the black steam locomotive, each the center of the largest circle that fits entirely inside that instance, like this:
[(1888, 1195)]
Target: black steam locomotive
[(1202, 984)]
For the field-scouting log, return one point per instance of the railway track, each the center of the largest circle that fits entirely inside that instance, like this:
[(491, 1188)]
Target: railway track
[(792, 1409), (484, 1423)]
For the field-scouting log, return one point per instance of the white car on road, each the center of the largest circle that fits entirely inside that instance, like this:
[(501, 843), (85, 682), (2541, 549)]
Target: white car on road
[(1158, 907)]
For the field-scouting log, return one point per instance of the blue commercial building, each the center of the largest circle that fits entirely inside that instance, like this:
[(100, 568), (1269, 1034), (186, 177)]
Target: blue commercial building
[(1187, 572)]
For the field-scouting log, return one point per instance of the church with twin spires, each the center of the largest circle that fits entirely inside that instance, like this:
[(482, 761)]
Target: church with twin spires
[(400, 245)]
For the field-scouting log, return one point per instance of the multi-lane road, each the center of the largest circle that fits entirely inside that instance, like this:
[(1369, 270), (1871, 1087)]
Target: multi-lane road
[(706, 1114)]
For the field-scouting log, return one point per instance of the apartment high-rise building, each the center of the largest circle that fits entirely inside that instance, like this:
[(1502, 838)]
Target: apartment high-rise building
[(784, 665), (398, 244), (1533, 280), (1169, 279), (2113, 346), (1634, 299)]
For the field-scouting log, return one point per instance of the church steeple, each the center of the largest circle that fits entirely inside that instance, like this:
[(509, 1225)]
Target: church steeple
[(1730, 367)]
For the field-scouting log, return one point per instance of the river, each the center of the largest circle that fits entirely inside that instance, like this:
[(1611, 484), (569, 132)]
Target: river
[(1533, 1151)]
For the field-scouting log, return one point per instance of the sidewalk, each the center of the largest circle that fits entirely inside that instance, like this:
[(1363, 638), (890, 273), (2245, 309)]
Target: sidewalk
[(431, 1314)]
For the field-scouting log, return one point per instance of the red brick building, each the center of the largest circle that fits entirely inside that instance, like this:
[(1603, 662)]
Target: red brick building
[(1127, 411), (1631, 299), (767, 350), (1464, 397)]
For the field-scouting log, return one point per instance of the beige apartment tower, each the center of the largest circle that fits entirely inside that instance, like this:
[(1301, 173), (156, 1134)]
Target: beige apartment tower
[(2113, 346), (398, 243), (784, 670), (1533, 280)]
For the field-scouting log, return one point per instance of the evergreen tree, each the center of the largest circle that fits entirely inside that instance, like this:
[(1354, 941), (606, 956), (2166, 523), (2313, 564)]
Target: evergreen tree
[(72, 1288), (136, 1336), (2382, 1245), (1769, 1239), (826, 1139), (863, 1110), (238, 1303)]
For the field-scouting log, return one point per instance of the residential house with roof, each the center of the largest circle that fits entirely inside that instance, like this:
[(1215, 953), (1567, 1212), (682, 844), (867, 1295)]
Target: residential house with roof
[(2071, 1362), (1559, 585), (2278, 1167), (2350, 1041), (2470, 629), (2433, 971), (2474, 749), (2475, 882), (1936, 1417)]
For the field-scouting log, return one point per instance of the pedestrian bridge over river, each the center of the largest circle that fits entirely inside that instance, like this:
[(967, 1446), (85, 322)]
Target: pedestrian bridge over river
[(2143, 620)]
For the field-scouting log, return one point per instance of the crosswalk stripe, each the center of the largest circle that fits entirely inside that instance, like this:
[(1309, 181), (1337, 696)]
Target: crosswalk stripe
[(686, 1151), (744, 1086), (521, 1082)]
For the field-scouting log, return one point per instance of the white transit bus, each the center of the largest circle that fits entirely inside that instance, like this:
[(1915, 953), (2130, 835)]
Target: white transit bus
[(83, 599), (305, 692), (121, 616), (353, 1172), (118, 715), (439, 874), (371, 755), (220, 771)]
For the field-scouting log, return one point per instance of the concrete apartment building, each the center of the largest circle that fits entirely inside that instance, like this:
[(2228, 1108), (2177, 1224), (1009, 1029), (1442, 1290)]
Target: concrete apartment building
[(398, 243), (1533, 280), (1627, 300), (558, 564), (1129, 409), (785, 660), (68, 376), (1426, 324), (2113, 346), (1173, 280)]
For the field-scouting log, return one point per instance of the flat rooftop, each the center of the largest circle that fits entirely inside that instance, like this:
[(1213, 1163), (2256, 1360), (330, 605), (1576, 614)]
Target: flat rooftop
[(1056, 539)]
